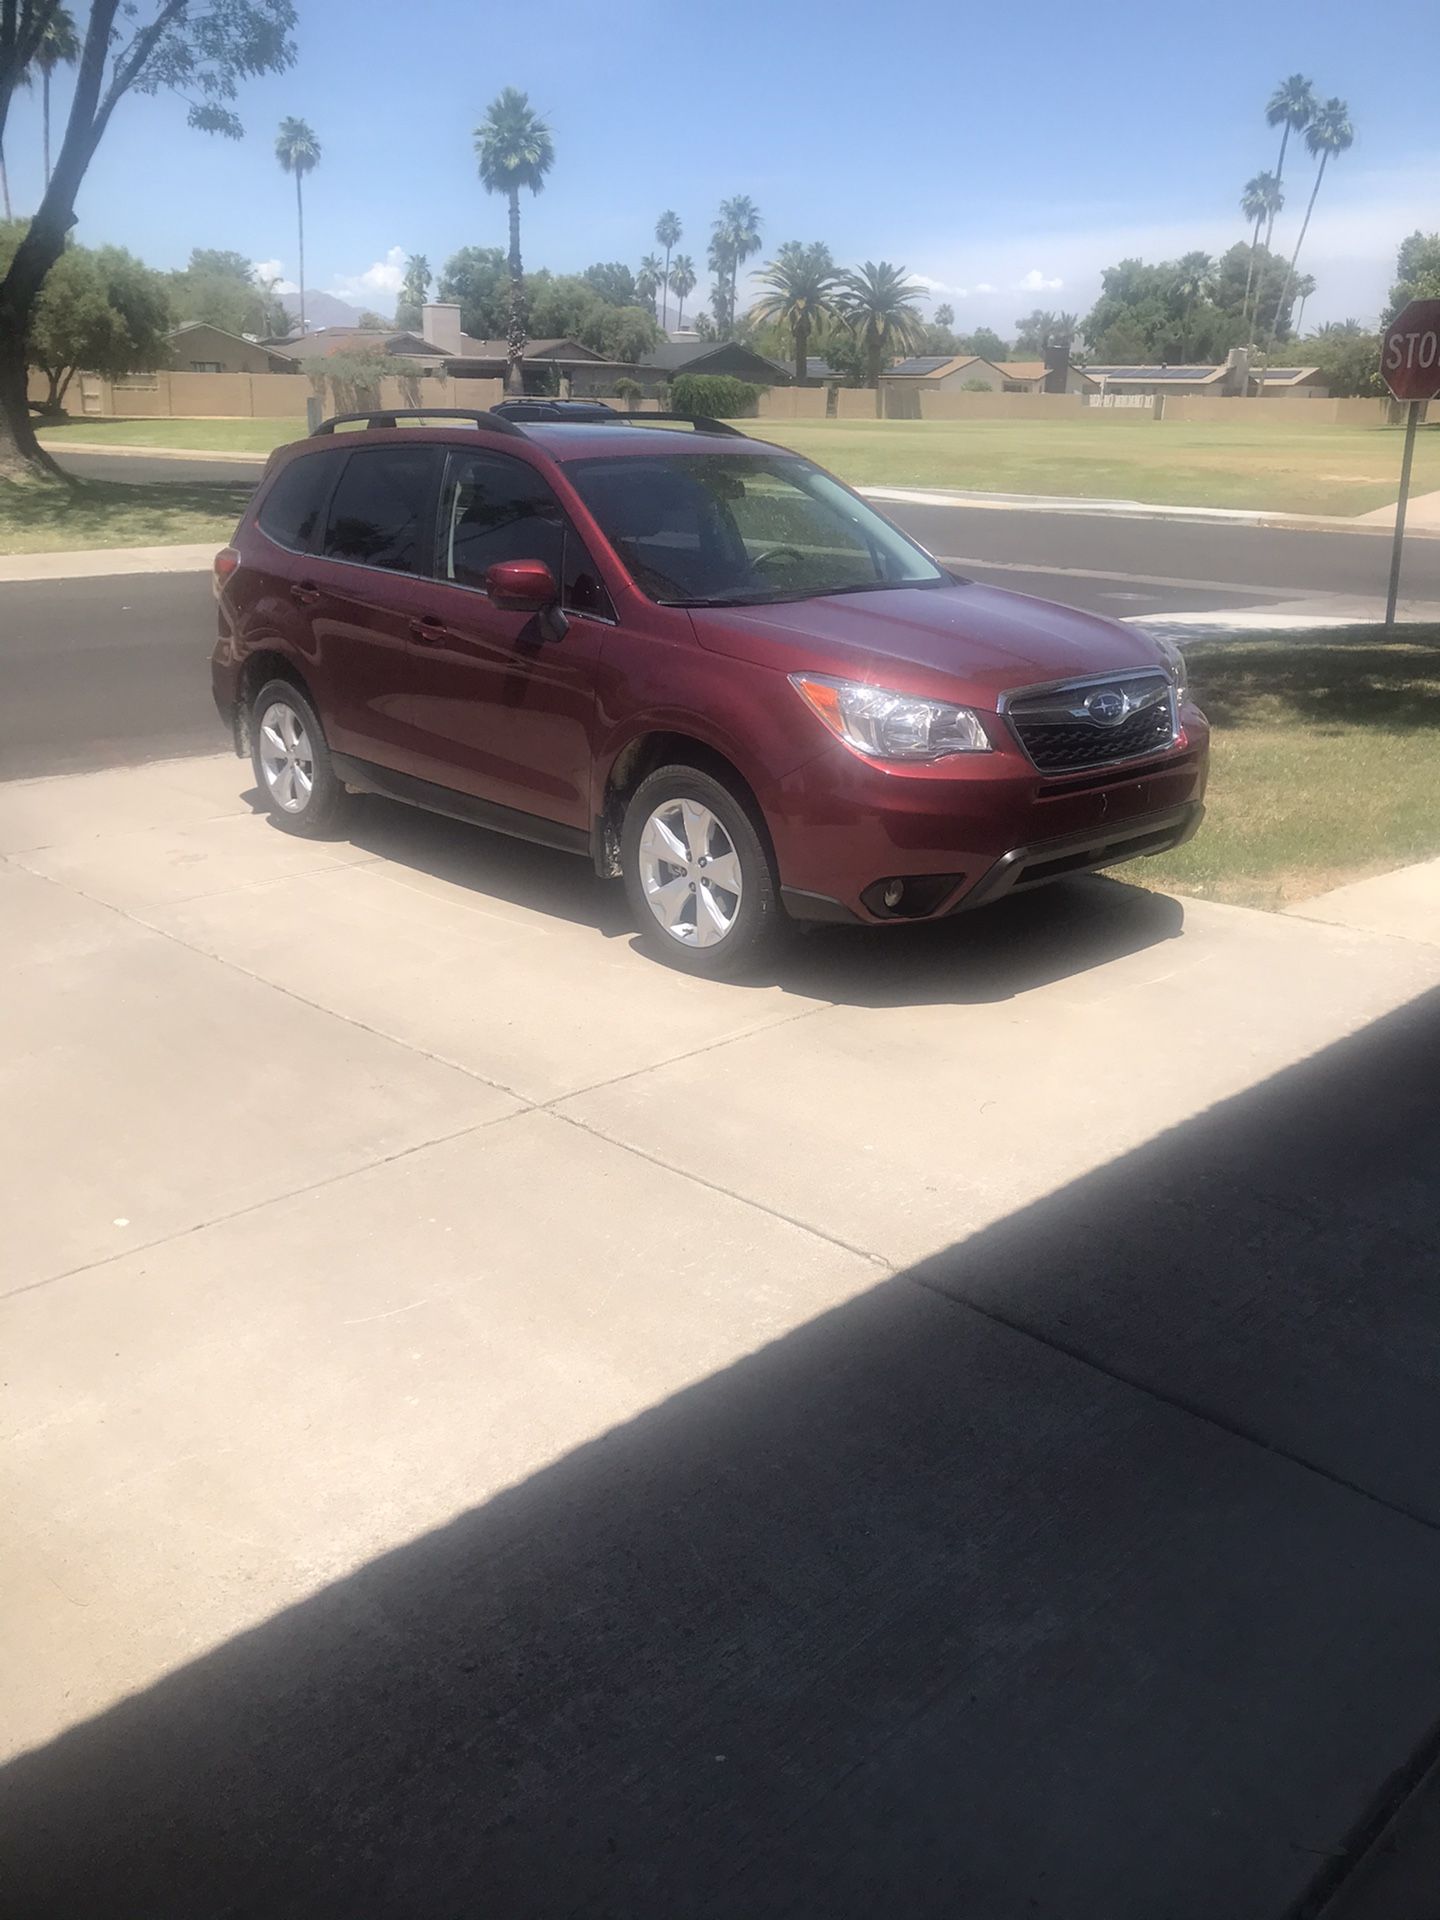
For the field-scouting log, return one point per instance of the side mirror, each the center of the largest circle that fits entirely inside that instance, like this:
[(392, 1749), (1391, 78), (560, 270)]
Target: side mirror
[(521, 586)]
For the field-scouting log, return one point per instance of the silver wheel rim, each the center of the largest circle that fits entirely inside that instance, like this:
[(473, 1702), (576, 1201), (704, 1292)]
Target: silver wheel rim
[(287, 759), (690, 872)]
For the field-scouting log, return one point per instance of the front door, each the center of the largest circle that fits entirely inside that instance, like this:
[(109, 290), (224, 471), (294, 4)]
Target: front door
[(500, 707)]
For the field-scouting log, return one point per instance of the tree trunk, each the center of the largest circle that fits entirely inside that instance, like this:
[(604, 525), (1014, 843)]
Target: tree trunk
[(680, 317), (1279, 176), (872, 368), (300, 219), (802, 351), (514, 367), (45, 116), (1305, 228), (1250, 272), (5, 183), (37, 253)]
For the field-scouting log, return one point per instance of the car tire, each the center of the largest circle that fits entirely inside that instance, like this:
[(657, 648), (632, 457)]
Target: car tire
[(721, 923), (292, 764)]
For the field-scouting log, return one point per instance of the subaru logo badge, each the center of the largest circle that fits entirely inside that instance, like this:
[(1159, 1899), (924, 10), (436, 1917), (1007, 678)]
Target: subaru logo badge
[(1107, 707)]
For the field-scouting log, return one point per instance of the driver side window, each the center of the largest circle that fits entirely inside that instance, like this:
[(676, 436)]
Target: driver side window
[(495, 509)]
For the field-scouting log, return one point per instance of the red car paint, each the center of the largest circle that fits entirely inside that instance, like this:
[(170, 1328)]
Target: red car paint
[(467, 695)]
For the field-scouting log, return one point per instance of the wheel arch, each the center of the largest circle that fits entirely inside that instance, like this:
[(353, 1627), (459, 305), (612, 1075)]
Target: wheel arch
[(642, 756), (258, 668)]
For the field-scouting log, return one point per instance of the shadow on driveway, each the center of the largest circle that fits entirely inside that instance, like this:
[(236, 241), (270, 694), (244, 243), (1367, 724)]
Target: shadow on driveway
[(1089, 1569), (1020, 944)]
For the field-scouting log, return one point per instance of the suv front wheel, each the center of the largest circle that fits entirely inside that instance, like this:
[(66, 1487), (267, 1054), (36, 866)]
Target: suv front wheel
[(292, 762), (698, 875)]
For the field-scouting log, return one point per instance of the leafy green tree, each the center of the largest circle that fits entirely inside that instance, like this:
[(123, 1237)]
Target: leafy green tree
[(477, 280), (623, 333), (414, 292), (945, 316), (1194, 273), (515, 149), (1328, 135), (1041, 330), (1261, 200), (59, 47), (717, 395), (101, 310), (647, 281), (798, 292), (667, 234), (1348, 358), (1291, 107), (880, 305), (372, 322), (613, 281), (220, 287), (298, 152), (681, 280), (985, 342), (145, 45), (1417, 273), (735, 236)]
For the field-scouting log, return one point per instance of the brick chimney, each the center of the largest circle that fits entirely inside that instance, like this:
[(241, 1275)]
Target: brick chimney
[(440, 324), (1236, 378), (1057, 369)]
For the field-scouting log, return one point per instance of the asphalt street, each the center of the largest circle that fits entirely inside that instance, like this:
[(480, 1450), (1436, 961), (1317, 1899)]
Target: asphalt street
[(105, 672)]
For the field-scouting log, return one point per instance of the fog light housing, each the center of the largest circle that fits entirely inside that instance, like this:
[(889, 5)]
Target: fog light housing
[(911, 896), (892, 893)]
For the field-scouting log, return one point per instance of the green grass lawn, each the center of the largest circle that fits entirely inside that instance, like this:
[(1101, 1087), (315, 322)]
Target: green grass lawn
[(1325, 765), (55, 516), (206, 436), (1112, 454), (1116, 455)]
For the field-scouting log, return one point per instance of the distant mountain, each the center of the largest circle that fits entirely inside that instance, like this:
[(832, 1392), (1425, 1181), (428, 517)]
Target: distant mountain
[(322, 309)]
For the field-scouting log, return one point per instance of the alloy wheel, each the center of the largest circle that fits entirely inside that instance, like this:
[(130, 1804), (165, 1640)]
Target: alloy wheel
[(690, 873), (287, 759)]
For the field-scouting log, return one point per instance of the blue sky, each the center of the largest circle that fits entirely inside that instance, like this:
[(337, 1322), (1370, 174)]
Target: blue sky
[(1006, 159)]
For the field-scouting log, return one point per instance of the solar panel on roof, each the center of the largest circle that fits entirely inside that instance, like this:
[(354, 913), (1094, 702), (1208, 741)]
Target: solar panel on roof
[(924, 363)]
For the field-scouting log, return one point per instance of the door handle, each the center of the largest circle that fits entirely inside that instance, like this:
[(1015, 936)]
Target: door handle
[(429, 631), (305, 592)]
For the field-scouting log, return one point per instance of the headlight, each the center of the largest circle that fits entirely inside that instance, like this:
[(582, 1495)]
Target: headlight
[(1175, 667), (888, 725)]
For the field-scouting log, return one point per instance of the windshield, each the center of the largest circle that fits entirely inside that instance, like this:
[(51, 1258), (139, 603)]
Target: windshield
[(704, 530)]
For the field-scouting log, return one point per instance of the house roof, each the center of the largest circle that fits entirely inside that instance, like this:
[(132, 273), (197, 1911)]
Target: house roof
[(673, 356), (930, 366), (240, 339), (1191, 376), (1286, 376), (327, 340), (471, 349)]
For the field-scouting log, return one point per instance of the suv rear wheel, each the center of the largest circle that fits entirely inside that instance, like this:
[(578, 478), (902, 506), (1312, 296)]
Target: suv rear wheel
[(698, 875), (292, 761)]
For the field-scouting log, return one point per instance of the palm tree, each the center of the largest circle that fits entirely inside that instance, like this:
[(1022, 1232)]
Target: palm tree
[(880, 305), (1330, 132), (798, 290), (515, 150), (682, 283), (1193, 276), (736, 237), (298, 152), (1304, 287), (1262, 197), (415, 287), (22, 79), (647, 280), (59, 47), (1291, 108), (667, 234)]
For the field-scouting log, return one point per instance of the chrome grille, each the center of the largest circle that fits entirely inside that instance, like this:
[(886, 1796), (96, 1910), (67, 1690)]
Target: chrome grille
[(1094, 723)]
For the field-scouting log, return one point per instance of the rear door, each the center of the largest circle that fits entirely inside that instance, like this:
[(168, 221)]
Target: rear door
[(367, 585), (501, 708)]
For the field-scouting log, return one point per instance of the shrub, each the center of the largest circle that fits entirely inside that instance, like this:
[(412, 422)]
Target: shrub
[(717, 394), (629, 391)]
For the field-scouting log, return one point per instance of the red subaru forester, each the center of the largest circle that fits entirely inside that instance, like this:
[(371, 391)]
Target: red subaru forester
[(694, 658)]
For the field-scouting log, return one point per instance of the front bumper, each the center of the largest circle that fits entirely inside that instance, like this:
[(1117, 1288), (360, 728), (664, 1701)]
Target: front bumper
[(964, 833)]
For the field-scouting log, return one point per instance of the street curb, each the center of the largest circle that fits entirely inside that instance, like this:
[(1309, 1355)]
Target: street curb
[(99, 563), (1134, 510)]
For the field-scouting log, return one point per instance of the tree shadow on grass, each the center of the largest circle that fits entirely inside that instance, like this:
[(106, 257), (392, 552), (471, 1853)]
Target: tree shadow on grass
[(118, 512), (1364, 676)]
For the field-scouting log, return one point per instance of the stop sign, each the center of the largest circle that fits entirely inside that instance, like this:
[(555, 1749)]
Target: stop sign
[(1410, 352)]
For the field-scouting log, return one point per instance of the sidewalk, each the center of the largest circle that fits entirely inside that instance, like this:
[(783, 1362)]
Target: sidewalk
[(948, 1429)]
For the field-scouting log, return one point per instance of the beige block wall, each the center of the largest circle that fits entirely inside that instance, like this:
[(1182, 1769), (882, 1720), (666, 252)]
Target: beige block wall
[(792, 403), (855, 403), (1196, 409), (999, 406), (278, 396)]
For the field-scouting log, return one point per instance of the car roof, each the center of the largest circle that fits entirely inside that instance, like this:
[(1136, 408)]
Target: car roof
[(561, 440)]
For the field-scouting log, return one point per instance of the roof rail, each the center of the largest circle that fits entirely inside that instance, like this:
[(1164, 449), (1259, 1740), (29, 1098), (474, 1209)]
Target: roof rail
[(391, 416), (701, 422)]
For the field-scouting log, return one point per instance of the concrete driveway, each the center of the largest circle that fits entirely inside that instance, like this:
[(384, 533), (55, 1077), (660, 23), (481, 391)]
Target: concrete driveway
[(497, 1427)]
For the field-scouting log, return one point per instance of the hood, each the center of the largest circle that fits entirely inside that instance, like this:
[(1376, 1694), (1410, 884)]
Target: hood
[(964, 641)]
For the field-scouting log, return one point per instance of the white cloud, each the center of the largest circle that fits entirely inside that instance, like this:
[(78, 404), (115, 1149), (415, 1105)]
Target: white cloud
[(940, 289), (984, 286), (1036, 282), (380, 277), (273, 270)]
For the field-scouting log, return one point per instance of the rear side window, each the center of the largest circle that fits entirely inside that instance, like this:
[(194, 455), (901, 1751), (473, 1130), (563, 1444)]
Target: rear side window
[(496, 509), (290, 511), (380, 514)]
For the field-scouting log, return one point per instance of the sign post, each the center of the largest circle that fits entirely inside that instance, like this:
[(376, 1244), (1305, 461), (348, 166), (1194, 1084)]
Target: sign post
[(1410, 368)]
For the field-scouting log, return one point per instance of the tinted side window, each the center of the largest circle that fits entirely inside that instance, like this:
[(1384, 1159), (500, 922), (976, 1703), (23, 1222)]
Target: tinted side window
[(496, 509), (380, 513), (290, 512)]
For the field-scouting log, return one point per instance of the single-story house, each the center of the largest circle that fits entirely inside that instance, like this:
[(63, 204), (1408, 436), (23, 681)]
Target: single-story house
[(956, 373), (1233, 377), (716, 357), (197, 347)]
